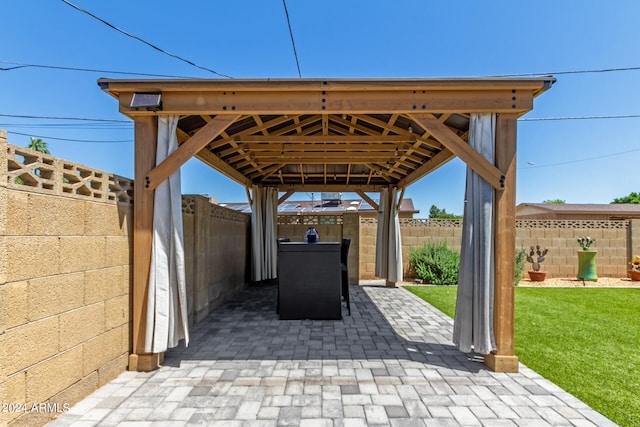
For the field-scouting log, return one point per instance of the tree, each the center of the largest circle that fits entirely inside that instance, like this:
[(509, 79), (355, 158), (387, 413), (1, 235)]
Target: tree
[(435, 212), (631, 198), (38, 145), (554, 202)]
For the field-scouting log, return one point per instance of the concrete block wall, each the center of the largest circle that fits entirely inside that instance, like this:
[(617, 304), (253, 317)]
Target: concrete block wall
[(561, 237), (616, 242), (64, 295), (217, 254), (65, 276)]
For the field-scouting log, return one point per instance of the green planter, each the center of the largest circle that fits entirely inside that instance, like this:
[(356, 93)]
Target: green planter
[(587, 266)]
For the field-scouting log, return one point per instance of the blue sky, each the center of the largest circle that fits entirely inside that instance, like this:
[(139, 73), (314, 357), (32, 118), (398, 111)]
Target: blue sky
[(580, 161)]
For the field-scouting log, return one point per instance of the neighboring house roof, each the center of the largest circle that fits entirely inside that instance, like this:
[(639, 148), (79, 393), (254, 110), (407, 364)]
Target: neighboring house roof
[(624, 210), (307, 206)]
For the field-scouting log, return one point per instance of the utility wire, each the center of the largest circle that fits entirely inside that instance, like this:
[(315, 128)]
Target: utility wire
[(601, 70), (73, 140), (90, 70), (293, 43), (538, 119), (56, 67), (144, 41), (578, 160), (64, 118)]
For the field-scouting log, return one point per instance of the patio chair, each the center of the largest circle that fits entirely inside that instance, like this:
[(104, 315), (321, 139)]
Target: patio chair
[(344, 256)]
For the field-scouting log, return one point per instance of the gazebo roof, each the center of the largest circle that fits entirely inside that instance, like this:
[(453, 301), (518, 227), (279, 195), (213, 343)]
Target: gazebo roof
[(329, 135)]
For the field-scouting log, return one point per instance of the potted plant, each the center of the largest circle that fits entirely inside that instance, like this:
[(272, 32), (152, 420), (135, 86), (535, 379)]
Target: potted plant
[(535, 257), (587, 260), (634, 271)]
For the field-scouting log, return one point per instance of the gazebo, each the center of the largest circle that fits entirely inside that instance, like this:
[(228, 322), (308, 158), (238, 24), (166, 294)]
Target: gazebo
[(283, 136)]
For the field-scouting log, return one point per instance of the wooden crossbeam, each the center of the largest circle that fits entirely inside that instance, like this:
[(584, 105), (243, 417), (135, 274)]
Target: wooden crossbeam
[(187, 150), (369, 200), (285, 196), (339, 102), (460, 148), (434, 163), (321, 138)]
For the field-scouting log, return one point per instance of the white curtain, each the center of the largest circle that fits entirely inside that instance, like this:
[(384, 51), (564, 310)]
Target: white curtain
[(473, 323), (167, 321), (382, 237), (389, 241), (264, 233)]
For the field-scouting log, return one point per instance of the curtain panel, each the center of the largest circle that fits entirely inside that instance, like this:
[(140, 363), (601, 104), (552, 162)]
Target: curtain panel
[(473, 322), (167, 321), (388, 239), (264, 233)]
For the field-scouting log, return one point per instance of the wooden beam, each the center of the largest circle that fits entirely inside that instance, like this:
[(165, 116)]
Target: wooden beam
[(285, 196), (187, 150), (335, 157), (252, 130), (322, 138), (353, 188), (221, 166), (400, 198), (146, 136), (434, 163), (338, 102), (400, 131), (219, 86), (364, 195), (460, 148), (504, 358)]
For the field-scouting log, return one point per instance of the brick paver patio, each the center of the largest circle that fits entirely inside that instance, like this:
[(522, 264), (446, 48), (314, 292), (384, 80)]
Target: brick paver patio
[(390, 363)]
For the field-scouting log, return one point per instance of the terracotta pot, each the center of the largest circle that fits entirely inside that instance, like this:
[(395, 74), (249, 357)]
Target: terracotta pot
[(634, 275), (537, 276)]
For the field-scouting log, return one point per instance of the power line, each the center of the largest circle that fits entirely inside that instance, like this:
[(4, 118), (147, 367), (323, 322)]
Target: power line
[(538, 119), (73, 140), (579, 160), (90, 70), (598, 70), (64, 118), (144, 41), (293, 43)]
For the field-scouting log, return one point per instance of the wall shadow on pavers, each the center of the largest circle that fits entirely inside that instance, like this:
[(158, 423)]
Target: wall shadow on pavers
[(247, 328)]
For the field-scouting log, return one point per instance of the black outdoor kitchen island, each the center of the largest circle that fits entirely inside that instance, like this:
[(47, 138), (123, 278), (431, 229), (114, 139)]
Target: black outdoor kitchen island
[(309, 281)]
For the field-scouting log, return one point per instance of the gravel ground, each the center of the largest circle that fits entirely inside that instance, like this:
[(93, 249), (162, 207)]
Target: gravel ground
[(608, 282), (555, 282)]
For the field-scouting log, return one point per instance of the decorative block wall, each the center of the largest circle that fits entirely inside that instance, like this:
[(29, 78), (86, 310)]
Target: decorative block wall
[(64, 281), (616, 241), (65, 276)]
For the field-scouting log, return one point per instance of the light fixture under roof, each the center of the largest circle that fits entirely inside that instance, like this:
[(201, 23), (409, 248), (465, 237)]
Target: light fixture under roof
[(150, 101)]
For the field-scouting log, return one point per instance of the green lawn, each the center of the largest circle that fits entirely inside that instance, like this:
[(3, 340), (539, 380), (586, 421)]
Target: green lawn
[(585, 340)]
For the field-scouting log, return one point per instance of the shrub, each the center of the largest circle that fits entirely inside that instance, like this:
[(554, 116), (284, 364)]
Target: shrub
[(521, 255), (436, 263)]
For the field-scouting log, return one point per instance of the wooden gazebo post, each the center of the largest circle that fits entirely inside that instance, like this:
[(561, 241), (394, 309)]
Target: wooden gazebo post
[(504, 358), (146, 137)]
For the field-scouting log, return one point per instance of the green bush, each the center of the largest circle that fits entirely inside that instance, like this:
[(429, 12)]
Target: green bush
[(436, 263), (521, 255)]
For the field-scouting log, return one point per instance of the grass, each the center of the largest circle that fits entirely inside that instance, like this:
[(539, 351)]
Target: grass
[(586, 341)]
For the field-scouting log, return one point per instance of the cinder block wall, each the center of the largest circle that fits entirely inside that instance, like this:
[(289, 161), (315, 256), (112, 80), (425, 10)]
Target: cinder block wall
[(64, 283), (561, 238), (217, 254), (65, 277), (616, 242)]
